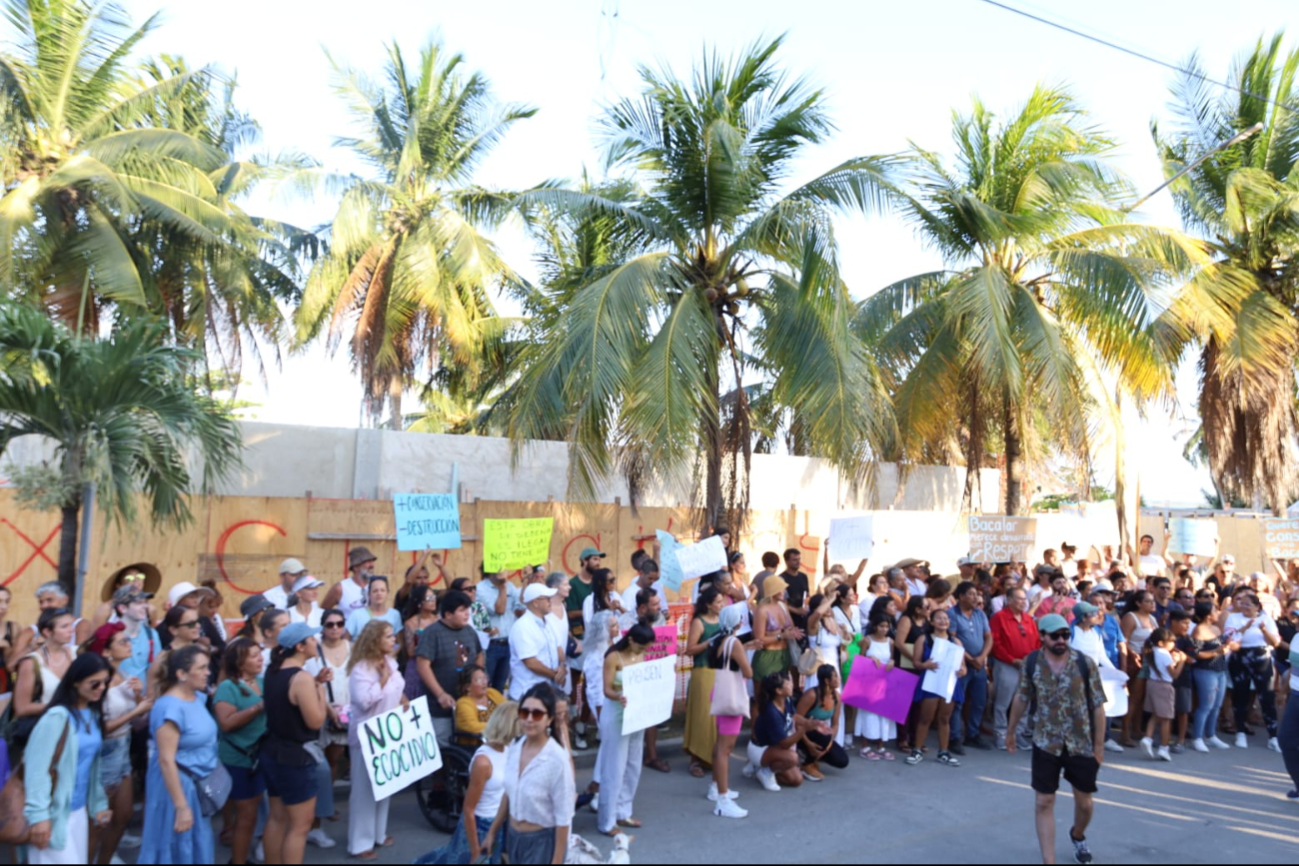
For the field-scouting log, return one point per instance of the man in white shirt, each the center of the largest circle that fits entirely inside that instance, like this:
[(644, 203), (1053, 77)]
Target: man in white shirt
[(1152, 565), (916, 583), (647, 577), (290, 571), (504, 606), (534, 652)]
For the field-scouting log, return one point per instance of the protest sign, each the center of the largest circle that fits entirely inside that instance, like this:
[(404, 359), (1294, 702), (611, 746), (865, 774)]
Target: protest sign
[(706, 557), (1114, 682), (942, 681), (649, 688), (510, 544), (852, 538), (427, 521), (400, 748), (669, 568), (889, 694), (995, 538), (665, 643), (1281, 538), (1197, 537)]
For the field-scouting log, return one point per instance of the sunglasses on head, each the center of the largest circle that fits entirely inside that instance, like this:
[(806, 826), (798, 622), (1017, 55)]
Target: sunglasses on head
[(1059, 635), (534, 715)]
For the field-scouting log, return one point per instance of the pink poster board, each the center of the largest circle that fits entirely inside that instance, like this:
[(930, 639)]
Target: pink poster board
[(884, 694), (665, 643)]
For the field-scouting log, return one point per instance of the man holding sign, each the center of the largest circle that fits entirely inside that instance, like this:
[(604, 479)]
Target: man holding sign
[(633, 692)]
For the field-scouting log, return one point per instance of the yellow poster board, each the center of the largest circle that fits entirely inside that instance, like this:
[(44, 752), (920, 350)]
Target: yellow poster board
[(511, 544)]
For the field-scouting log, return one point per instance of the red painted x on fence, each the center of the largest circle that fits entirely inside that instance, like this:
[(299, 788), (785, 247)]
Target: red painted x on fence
[(37, 550)]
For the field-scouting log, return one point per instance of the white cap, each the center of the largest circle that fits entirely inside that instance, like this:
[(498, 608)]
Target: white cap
[(181, 590), (966, 560), (292, 566), (1227, 557), (536, 591), (306, 582)]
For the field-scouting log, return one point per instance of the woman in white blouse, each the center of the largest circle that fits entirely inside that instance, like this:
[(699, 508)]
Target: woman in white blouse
[(1257, 634), (539, 789), (307, 610)]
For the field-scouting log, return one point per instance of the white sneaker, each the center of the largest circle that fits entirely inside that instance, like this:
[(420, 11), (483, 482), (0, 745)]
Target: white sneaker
[(768, 780), (579, 743), (1199, 746), (128, 841), (580, 727), (1163, 755), (1242, 742), (712, 793), (259, 854), (1217, 743), (1111, 746), (1148, 746), (726, 808), (1274, 745), (595, 804), (749, 771), (320, 839)]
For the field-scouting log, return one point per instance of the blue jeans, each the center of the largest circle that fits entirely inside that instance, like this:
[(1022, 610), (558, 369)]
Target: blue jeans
[(1289, 738), (975, 686), (1211, 689), (498, 665)]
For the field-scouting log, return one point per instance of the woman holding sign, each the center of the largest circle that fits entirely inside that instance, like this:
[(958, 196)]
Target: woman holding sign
[(375, 687), (620, 759), (934, 705)]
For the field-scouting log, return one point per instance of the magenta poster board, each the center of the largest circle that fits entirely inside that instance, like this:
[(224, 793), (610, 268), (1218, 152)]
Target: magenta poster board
[(884, 694)]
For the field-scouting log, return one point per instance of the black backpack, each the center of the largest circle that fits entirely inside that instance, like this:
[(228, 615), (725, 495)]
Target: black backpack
[(1084, 671)]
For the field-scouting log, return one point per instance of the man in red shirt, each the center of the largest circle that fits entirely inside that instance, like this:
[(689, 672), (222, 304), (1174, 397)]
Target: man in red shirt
[(1014, 637)]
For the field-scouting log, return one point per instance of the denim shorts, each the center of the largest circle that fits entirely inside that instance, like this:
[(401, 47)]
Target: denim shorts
[(245, 784), (114, 761), (291, 784)]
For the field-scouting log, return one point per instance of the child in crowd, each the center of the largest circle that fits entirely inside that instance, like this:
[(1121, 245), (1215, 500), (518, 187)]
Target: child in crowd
[(1165, 665), (876, 729)]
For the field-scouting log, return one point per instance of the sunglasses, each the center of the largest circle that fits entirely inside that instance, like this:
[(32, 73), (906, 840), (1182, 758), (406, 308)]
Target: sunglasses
[(98, 684), (1059, 635), (190, 623), (333, 625), (133, 578), (534, 715)]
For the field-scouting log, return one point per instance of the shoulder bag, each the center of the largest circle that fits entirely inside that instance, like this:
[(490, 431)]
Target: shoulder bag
[(213, 789), (730, 697), (14, 829)]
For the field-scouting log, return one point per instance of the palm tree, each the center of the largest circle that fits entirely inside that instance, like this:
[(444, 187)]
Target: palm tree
[(81, 173), (719, 272), (408, 270), (122, 413), (1245, 203), (1050, 300)]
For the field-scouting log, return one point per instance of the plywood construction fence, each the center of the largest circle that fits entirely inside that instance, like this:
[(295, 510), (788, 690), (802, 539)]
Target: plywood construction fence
[(239, 541)]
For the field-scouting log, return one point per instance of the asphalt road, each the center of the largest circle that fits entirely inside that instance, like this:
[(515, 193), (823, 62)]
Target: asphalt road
[(1225, 807)]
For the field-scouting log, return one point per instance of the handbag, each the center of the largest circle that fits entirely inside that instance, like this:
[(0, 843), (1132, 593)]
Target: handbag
[(213, 789), (730, 697), (14, 829), (809, 660), (17, 731)]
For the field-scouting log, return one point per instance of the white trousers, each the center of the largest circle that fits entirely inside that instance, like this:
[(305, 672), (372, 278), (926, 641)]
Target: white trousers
[(367, 819), (619, 767), (77, 850)]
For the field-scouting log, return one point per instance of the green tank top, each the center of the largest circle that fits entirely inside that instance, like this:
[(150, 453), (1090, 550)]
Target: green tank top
[(711, 630), (820, 713)]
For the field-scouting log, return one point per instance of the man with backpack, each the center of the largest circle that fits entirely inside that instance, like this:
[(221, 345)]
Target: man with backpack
[(1062, 689)]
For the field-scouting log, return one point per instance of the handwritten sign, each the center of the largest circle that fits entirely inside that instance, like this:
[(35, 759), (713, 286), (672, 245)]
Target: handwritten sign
[(995, 538), (649, 688), (852, 538), (427, 521), (510, 544), (669, 568), (696, 560), (889, 694), (942, 681), (665, 643), (1197, 537), (400, 748), (1281, 538)]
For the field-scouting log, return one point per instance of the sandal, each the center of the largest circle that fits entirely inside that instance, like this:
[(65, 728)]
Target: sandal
[(366, 855), (631, 824), (388, 843), (664, 767), (869, 754), (887, 756)]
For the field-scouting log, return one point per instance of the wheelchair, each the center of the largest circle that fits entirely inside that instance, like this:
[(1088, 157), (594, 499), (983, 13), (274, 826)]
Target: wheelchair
[(441, 795)]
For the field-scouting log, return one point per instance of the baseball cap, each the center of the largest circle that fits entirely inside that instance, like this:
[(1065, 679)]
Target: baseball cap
[(1103, 586), (292, 566), (306, 582), (590, 552), (536, 591), (1227, 557), (1083, 608), (1051, 623), (967, 560), (296, 633), (253, 605), (183, 589), (130, 595)]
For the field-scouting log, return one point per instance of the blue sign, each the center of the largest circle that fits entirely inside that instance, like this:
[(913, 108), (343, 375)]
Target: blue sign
[(427, 521), (669, 568)]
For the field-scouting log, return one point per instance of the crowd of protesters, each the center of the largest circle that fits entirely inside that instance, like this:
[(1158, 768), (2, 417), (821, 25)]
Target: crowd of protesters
[(249, 731)]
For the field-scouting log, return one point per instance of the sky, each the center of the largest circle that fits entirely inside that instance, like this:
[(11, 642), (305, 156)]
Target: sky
[(893, 73)]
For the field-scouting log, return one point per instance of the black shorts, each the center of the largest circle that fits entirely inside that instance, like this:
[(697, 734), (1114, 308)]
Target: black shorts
[(1079, 771), (291, 784), (1184, 699)]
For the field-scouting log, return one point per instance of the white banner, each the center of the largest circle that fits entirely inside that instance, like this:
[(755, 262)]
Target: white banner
[(851, 539), (650, 688), (399, 748), (696, 560), (996, 538), (942, 681), (1197, 537)]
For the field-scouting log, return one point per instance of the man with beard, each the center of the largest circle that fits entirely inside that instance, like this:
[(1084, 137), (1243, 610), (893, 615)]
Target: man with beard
[(1062, 687)]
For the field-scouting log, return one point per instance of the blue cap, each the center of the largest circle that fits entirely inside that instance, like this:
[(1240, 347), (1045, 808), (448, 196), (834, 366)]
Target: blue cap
[(294, 634), (1050, 623)]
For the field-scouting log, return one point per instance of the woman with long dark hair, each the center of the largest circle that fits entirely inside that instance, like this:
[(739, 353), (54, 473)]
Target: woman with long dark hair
[(1209, 652), (933, 706), (822, 708), (701, 730), (67, 740), (179, 628), (185, 737), (240, 709), (1139, 623), (421, 611), (911, 629), (621, 763), (773, 754)]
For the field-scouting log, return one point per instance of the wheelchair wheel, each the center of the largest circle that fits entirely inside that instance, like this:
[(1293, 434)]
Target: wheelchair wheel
[(441, 796)]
